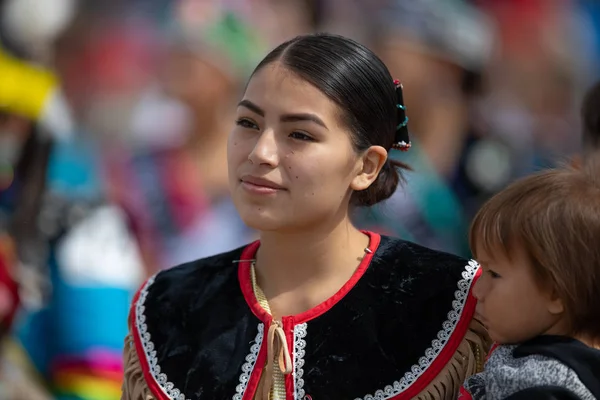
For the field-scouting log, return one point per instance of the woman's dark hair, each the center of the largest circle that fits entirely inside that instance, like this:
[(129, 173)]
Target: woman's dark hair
[(356, 79)]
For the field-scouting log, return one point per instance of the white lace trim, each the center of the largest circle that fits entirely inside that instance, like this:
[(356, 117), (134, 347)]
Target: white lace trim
[(161, 379), (299, 345), (460, 299), (248, 366)]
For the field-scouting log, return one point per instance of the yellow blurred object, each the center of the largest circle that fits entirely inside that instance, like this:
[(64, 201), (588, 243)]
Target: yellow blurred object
[(24, 88)]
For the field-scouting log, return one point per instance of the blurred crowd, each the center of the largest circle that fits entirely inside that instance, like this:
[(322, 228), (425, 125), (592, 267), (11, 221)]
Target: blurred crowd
[(114, 118)]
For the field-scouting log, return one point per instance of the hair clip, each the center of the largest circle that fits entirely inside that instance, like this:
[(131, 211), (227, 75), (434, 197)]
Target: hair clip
[(402, 146), (402, 140), (403, 124)]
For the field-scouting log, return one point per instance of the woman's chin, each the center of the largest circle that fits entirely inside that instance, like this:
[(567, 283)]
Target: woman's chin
[(260, 219)]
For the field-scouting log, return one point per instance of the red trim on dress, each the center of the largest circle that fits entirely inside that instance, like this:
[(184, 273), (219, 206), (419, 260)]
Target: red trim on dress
[(448, 351), (258, 368), (249, 253), (290, 385), (148, 377), (464, 394)]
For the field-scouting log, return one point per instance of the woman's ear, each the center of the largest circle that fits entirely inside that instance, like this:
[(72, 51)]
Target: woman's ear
[(369, 165)]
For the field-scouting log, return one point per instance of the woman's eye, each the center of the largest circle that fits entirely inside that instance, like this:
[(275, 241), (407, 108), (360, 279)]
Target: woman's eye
[(246, 123), (301, 136)]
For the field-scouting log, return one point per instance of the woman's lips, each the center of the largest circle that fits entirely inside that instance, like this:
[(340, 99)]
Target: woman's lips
[(258, 185)]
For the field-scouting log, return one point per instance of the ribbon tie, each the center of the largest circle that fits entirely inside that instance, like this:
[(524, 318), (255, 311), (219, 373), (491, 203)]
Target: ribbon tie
[(276, 348)]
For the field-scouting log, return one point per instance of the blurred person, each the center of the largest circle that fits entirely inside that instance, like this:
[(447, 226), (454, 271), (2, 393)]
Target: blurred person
[(203, 70), (316, 308), (542, 65), (187, 198), (21, 188), (107, 43), (33, 115), (23, 159), (31, 107), (440, 48), (71, 330), (120, 53)]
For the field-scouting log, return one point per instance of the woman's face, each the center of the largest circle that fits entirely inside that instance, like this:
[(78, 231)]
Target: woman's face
[(291, 161)]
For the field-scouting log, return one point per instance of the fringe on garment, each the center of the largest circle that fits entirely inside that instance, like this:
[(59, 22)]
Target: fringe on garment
[(467, 360), (134, 384)]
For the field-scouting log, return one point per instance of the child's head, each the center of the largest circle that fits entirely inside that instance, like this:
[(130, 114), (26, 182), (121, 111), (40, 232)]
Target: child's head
[(538, 242)]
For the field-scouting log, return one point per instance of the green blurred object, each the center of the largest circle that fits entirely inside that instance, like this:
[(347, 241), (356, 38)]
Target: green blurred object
[(237, 41), (228, 39)]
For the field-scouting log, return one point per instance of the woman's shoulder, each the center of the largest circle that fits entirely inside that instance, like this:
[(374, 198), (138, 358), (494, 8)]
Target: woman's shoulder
[(423, 299), (410, 256), (427, 279), (221, 262), (196, 278), (402, 272)]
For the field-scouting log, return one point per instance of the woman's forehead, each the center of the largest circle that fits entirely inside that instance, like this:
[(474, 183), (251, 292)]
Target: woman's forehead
[(276, 89)]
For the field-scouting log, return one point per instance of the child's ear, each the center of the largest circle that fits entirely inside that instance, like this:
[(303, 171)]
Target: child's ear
[(555, 305)]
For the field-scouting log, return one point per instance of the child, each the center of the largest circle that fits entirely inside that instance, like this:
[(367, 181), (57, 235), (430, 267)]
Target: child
[(538, 243)]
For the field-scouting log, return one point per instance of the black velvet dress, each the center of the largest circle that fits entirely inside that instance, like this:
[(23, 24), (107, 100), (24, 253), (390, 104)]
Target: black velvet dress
[(401, 328)]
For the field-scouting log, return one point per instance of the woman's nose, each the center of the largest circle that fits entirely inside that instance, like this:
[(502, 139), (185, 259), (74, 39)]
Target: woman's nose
[(265, 151)]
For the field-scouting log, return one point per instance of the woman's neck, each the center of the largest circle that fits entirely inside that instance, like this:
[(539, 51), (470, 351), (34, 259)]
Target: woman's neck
[(299, 262)]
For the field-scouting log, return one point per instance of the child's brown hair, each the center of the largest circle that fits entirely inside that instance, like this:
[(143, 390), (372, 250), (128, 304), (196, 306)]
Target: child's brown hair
[(554, 217)]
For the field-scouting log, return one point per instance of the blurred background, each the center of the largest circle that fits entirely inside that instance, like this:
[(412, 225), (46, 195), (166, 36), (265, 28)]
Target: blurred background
[(113, 124)]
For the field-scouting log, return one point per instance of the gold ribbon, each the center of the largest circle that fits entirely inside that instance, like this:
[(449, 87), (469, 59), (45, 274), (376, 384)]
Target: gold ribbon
[(276, 348)]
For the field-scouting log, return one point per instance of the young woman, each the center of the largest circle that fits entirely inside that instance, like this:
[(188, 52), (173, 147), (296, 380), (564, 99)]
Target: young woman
[(315, 309)]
